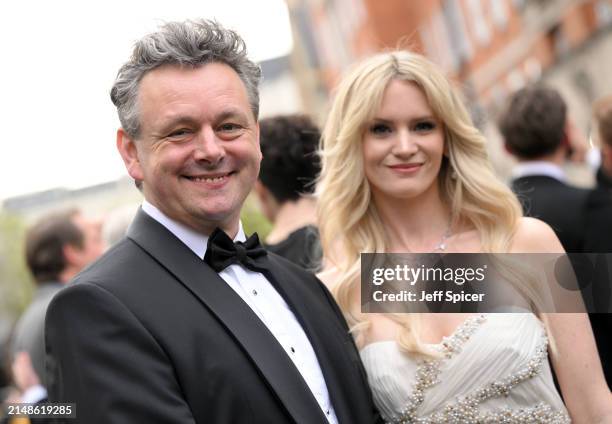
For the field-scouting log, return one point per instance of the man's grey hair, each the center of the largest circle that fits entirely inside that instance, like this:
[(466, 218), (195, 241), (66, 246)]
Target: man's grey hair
[(189, 43)]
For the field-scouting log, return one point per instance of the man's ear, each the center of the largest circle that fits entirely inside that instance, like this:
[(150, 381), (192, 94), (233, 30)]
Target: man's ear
[(258, 142), (127, 149)]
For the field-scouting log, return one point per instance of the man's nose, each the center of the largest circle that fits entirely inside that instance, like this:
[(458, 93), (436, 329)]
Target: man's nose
[(405, 143), (208, 147)]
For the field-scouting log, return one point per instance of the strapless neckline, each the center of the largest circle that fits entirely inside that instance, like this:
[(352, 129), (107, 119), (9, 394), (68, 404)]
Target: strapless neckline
[(496, 372), (392, 343)]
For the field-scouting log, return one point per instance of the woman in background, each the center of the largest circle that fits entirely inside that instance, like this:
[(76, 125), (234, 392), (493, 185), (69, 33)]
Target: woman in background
[(405, 170)]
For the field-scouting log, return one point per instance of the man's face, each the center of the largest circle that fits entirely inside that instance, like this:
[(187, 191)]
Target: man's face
[(198, 150), (93, 245)]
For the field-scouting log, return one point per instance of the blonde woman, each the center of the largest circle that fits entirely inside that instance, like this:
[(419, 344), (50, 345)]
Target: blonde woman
[(405, 170)]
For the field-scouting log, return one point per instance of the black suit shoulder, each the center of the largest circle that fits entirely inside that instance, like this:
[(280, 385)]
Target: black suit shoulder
[(313, 284), (94, 342), (598, 233), (560, 205)]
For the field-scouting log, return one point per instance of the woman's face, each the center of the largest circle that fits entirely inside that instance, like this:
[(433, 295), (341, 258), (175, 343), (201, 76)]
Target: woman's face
[(403, 144)]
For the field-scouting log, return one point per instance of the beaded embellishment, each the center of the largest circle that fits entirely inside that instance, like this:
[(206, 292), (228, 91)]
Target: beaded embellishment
[(465, 409)]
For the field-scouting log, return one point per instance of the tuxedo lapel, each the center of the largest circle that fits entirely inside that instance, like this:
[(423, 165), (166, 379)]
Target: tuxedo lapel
[(322, 334), (266, 353)]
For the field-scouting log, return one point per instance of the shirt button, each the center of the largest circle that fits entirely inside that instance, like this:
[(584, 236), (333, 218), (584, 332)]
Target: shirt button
[(327, 412), (255, 292), (292, 349)]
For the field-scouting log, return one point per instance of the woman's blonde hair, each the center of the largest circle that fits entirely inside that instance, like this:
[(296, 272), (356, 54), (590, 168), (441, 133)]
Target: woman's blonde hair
[(349, 223)]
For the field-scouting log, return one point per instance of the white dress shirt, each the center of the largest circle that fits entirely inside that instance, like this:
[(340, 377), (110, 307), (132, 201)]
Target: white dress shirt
[(34, 394), (257, 292), (538, 167)]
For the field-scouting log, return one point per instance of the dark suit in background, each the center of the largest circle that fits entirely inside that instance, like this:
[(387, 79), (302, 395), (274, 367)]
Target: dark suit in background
[(537, 131), (598, 238), (579, 218), (560, 205)]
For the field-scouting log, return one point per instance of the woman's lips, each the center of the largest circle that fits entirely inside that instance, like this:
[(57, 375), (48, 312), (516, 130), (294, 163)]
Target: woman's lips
[(406, 168)]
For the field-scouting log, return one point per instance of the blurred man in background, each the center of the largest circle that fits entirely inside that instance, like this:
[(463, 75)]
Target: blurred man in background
[(58, 247), (536, 131), (598, 234), (286, 180), (116, 223), (603, 117)]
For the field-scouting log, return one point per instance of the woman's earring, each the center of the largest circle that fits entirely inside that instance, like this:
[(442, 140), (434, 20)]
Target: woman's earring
[(453, 174)]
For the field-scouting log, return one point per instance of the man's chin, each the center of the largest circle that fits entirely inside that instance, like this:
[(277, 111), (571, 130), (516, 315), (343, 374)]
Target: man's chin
[(219, 217)]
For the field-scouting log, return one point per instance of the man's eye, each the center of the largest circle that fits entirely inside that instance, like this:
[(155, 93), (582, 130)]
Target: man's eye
[(379, 129), (229, 127), (425, 126), (179, 133)]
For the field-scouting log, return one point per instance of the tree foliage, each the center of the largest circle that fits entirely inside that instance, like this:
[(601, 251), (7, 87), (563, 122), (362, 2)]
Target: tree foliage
[(16, 285)]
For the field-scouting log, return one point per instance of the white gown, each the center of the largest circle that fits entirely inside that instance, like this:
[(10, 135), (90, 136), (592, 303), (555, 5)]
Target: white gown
[(494, 369)]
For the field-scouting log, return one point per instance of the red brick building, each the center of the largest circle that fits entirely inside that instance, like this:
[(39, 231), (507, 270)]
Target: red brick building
[(492, 47)]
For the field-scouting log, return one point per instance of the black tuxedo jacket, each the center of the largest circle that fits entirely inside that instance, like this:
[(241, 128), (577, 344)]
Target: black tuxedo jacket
[(151, 334), (559, 205)]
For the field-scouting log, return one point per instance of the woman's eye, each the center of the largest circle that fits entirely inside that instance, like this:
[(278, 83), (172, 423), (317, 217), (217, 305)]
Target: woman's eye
[(425, 126), (379, 129)]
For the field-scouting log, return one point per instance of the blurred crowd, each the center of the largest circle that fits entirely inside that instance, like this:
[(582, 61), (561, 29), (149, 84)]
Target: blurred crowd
[(537, 130)]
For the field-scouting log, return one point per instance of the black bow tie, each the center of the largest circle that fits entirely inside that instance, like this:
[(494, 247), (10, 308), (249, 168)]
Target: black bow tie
[(223, 252)]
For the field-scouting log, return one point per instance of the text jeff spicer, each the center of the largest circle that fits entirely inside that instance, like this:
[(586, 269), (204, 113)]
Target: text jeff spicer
[(435, 296)]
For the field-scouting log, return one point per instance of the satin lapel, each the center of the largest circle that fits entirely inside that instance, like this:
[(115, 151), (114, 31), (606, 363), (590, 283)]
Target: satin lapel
[(248, 330), (314, 315)]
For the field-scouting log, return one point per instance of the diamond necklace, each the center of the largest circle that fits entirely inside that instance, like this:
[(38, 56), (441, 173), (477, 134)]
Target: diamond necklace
[(441, 246)]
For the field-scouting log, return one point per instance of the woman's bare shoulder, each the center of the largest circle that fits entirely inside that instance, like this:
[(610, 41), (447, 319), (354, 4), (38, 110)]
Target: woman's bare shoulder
[(329, 276), (535, 236)]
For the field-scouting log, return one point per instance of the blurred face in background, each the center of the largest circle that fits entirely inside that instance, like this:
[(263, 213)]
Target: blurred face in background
[(403, 145), (93, 245)]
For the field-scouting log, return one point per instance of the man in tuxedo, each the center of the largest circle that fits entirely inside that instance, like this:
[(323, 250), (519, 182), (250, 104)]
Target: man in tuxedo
[(536, 131), (185, 320)]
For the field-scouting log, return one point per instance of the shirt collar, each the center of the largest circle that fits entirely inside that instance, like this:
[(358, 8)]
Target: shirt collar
[(197, 242), (525, 169)]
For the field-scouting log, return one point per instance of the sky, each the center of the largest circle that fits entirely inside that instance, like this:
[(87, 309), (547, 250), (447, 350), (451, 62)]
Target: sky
[(59, 60)]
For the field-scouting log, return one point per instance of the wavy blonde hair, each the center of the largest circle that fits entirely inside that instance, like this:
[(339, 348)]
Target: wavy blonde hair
[(349, 223)]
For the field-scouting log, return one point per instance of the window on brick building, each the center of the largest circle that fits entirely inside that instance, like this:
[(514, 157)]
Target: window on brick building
[(603, 12), (559, 42), (480, 28), (499, 13), (461, 47), (436, 41)]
